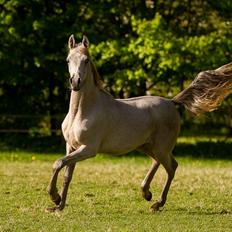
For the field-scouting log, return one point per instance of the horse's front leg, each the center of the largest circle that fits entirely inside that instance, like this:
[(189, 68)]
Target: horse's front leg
[(68, 173), (84, 152), (52, 189), (60, 200)]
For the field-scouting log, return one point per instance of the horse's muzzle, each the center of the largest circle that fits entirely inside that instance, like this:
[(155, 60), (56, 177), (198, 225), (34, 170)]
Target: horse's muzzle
[(75, 83)]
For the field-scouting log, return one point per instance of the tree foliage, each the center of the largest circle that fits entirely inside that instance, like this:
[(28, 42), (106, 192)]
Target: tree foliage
[(139, 47)]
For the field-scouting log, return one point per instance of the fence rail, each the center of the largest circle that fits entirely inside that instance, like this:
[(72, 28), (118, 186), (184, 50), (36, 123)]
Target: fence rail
[(31, 115), (27, 123), (5, 131)]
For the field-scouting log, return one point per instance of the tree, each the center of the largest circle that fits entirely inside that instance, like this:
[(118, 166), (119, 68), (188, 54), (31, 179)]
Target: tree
[(139, 47)]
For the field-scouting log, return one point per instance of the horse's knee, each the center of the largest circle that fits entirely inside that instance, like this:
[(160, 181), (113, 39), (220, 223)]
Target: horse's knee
[(57, 165)]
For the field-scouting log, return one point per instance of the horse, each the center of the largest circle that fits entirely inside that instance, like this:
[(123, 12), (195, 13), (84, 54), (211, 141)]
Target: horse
[(98, 123)]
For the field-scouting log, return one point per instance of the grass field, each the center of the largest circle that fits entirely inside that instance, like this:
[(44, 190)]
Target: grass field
[(105, 195)]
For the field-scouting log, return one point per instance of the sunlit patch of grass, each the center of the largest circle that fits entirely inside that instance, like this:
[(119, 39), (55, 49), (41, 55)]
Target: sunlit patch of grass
[(219, 147), (196, 139)]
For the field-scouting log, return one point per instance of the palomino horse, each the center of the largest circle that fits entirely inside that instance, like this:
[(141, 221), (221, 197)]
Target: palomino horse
[(98, 123)]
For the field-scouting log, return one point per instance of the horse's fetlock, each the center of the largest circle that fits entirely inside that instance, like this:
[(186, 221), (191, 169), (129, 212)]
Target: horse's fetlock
[(61, 206), (56, 199), (162, 201)]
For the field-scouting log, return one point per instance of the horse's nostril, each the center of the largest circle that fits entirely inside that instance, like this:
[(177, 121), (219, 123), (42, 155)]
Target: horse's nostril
[(70, 80)]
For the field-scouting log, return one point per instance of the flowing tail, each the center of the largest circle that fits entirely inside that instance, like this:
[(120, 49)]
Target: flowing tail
[(207, 90)]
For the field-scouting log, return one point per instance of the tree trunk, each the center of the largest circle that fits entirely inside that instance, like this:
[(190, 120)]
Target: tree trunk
[(51, 104)]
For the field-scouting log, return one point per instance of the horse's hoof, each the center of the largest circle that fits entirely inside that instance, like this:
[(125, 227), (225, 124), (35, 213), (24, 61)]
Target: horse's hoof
[(51, 209), (155, 207), (54, 208), (147, 196), (57, 200)]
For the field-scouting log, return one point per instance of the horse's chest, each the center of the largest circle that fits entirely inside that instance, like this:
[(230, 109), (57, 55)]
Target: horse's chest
[(76, 133)]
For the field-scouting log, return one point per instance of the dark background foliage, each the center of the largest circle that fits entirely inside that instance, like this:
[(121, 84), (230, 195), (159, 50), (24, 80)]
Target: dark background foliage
[(140, 47)]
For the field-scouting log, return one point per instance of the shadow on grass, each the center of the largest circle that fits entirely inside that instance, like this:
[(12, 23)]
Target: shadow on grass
[(48, 144), (209, 150), (199, 211), (221, 149), (203, 150)]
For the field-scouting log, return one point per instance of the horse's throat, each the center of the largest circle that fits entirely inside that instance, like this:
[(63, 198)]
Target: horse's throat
[(81, 102), (74, 104)]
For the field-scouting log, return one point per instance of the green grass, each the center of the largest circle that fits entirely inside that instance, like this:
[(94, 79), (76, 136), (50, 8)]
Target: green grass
[(105, 195)]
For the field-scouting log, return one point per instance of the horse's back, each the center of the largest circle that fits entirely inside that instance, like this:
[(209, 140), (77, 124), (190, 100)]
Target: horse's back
[(161, 109)]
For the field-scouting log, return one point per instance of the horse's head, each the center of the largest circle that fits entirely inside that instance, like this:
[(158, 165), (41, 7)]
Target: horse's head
[(78, 62)]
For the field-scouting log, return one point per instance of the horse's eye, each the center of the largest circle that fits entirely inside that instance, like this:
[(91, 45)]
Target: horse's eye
[(87, 60), (67, 61)]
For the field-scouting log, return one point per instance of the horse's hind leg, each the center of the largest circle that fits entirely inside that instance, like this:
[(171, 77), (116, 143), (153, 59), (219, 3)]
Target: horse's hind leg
[(170, 166), (145, 186)]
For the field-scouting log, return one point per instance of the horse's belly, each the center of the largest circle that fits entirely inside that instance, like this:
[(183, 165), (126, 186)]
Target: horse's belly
[(119, 143)]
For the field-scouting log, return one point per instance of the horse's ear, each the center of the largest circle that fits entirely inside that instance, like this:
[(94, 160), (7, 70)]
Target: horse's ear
[(85, 41), (71, 42)]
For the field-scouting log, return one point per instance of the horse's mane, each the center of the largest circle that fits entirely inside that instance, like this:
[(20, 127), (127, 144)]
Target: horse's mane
[(97, 79)]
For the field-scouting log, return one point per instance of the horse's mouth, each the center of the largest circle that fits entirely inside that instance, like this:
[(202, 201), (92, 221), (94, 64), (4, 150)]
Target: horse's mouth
[(75, 83), (75, 88)]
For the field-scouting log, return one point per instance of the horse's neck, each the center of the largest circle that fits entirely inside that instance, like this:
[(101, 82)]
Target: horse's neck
[(74, 103), (82, 100)]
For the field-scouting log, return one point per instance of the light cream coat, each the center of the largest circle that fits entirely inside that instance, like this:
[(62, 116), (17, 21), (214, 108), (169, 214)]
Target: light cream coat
[(98, 123)]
